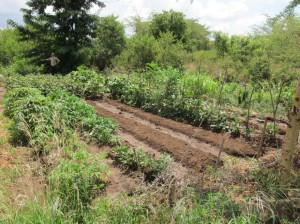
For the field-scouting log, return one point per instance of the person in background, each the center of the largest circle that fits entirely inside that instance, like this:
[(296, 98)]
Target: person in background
[(54, 61)]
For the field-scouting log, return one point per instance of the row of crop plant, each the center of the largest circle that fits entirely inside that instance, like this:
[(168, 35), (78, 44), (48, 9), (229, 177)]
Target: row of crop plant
[(200, 99)]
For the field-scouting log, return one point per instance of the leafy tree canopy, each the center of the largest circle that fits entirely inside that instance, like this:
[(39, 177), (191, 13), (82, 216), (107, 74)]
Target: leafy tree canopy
[(196, 35), (64, 27), (109, 41), (139, 27), (169, 21)]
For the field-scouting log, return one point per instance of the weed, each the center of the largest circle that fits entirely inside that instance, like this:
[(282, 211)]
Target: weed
[(76, 181), (138, 159)]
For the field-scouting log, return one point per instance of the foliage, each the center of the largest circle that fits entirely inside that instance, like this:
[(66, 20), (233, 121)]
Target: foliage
[(140, 50), (32, 116), (76, 181), (109, 41), (140, 27), (12, 58), (221, 44), (37, 119), (170, 52), (138, 159), (191, 208), (18, 95), (168, 21), (196, 36), (83, 82), (65, 30), (160, 91), (10, 47)]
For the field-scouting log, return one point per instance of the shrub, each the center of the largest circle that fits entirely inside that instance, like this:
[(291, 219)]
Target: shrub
[(14, 98), (76, 181), (37, 118), (85, 83), (137, 158)]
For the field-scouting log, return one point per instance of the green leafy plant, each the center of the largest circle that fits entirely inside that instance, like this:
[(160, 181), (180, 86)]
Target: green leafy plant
[(77, 180), (84, 82), (38, 119), (138, 159)]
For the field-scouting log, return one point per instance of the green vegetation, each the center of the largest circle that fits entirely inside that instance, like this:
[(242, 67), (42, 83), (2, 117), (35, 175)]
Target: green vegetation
[(76, 181), (196, 98), (137, 159), (39, 118), (82, 83), (109, 42), (65, 31), (171, 66)]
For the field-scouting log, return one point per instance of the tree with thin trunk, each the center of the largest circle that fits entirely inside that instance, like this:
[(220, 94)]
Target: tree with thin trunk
[(291, 140)]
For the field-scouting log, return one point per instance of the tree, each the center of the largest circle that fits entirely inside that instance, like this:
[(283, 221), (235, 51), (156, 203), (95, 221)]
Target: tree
[(169, 53), (280, 39), (196, 36), (11, 52), (66, 30), (109, 41), (221, 43), (140, 50), (10, 47), (169, 21), (290, 146), (139, 27)]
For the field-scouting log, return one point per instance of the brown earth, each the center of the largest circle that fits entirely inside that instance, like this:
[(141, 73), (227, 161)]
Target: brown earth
[(189, 151), (210, 141)]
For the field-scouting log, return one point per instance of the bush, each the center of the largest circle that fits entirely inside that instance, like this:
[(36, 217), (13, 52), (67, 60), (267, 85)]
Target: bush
[(140, 50), (76, 181), (37, 119), (137, 158), (83, 83), (169, 93)]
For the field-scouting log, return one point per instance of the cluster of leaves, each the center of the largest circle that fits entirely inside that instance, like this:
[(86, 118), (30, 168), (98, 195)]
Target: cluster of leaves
[(143, 49), (138, 159), (160, 91), (109, 42), (83, 82), (76, 181), (37, 118), (11, 54), (67, 29), (164, 39)]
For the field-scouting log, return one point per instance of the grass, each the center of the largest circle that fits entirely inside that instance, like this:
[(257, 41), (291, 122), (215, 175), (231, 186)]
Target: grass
[(240, 192)]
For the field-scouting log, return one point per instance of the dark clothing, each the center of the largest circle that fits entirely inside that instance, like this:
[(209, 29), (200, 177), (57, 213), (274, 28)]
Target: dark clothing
[(53, 69)]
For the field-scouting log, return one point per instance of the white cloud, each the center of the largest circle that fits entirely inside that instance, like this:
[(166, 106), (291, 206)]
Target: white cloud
[(218, 10), (11, 6), (231, 16)]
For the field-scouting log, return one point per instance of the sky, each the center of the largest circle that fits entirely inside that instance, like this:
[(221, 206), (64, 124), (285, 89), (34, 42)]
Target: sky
[(229, 16)]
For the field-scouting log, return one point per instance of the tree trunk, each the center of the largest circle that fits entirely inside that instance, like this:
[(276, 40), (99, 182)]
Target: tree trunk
[(276, 108), (248, 112), (291, 140)]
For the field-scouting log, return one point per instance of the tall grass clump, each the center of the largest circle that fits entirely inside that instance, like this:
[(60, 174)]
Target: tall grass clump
[(76, 181)]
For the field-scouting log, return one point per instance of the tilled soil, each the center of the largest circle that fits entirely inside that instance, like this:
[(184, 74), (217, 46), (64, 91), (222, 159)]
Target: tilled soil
[(187, 150), (232, 146)]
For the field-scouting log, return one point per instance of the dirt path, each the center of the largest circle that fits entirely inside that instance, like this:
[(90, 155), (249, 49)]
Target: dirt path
[(187, 150)]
